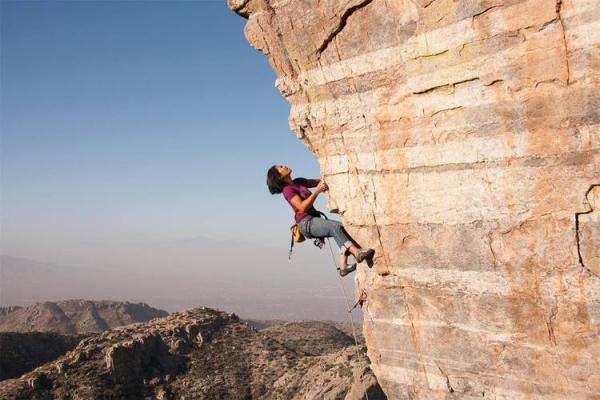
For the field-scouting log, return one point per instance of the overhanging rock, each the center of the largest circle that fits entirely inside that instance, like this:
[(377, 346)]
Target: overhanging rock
[(461, 139)]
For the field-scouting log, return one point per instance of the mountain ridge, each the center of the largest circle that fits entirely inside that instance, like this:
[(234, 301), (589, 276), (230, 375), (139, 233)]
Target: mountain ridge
[(75, 316), (199, 354)]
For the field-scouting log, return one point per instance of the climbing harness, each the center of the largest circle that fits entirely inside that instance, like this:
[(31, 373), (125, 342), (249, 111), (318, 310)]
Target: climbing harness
[(298, 237)]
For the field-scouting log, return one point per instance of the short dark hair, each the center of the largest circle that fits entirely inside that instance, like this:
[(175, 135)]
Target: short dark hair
[(274, 180)]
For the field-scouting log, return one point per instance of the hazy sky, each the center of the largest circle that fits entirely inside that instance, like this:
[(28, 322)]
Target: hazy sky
[(138, 120), (132, 133)]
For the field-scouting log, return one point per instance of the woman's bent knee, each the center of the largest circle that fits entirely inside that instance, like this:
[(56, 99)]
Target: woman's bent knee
[(337, 226)]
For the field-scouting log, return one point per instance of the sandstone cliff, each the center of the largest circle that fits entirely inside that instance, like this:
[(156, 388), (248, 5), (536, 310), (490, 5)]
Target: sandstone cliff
[(75, 316), (461, 139), (204, 354)]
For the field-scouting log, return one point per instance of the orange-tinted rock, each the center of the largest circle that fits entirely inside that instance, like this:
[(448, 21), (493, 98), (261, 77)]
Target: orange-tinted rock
[(461, 139)]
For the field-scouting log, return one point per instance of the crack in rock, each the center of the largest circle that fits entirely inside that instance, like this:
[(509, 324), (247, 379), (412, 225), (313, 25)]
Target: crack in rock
[(578, 238), (448, 385), (564, 36), (340, 26), (429, 55), (445, 86), (479, 14)]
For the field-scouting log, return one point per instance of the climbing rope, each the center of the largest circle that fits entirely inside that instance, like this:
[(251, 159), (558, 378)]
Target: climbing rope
[(349, 311)]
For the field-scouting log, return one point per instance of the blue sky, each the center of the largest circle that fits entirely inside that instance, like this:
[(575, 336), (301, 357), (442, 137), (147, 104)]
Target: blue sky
[(135, 139), (138, 121)]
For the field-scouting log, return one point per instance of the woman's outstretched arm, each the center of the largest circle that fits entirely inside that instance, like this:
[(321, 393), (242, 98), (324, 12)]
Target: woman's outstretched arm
[(303, 205)]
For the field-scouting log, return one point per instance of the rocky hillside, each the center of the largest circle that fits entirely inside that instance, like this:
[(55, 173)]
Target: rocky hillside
[(310, 337), (460, 139), (344, 326), (22, 352), (203, 354), (75, 316)]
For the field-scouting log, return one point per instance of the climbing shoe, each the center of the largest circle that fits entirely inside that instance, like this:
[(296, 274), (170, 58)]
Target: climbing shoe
[(347, 269), (365, 255)]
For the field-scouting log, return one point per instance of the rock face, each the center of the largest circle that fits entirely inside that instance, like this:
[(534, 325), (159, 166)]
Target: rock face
[(75, 316), (461, 139), (204, 354)]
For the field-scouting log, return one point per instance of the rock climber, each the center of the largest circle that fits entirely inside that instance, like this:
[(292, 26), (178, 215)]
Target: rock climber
[(295, 191)]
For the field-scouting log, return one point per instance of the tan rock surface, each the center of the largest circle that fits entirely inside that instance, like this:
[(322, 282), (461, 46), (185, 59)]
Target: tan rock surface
[(461, 139)]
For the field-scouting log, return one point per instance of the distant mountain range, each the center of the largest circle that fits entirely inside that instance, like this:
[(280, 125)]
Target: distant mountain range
[(252, 281), (75, 316)]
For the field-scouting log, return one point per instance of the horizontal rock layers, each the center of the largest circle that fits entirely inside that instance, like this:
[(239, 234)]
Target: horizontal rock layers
[(461, 139)]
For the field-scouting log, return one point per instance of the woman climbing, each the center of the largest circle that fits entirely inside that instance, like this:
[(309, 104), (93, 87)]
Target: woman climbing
[(295, 191)]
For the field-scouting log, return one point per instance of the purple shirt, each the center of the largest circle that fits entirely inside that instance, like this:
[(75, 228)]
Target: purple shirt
[(299, 188)]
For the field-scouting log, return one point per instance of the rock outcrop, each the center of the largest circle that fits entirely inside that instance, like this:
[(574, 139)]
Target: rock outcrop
[(204, 354), (75, 316), (461, 139)]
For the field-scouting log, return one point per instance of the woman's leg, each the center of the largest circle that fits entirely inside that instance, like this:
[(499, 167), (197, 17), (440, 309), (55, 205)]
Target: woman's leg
[(329, 228), (320, 227)]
